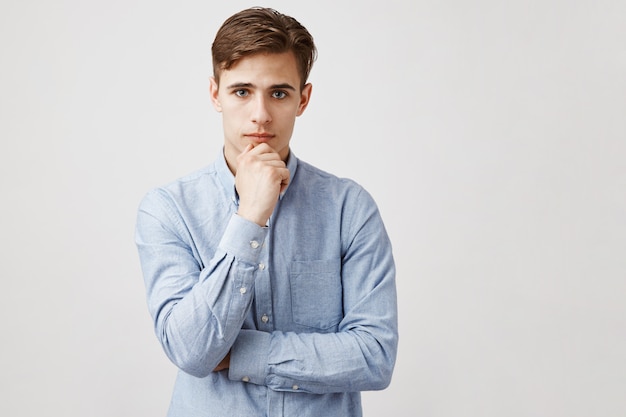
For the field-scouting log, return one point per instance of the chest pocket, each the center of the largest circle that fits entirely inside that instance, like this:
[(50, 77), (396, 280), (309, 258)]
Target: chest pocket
[(316, 293)]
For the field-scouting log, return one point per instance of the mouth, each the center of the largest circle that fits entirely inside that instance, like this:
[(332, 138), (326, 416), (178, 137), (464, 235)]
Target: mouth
[(259, 137)]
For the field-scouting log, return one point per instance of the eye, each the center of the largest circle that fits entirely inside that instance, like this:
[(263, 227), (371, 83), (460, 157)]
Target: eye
[(241, 93), (279, 94)]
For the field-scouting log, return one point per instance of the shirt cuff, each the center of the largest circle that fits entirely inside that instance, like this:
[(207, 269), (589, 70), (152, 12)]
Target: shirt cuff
[(243, 239), (248, 357)]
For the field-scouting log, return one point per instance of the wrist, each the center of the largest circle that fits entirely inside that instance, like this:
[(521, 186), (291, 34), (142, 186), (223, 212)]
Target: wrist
[(257, 218)]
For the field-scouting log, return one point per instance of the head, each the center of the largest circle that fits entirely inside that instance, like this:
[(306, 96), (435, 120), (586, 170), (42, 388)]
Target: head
[(261, 62), (262, 31)]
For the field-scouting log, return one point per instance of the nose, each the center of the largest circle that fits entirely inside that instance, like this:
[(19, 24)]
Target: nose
[(260, 113)]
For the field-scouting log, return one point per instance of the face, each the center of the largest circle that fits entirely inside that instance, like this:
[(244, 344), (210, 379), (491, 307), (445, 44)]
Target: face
[(259, 98)]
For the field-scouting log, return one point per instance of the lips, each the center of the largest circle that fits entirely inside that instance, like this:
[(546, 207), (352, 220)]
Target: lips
[(260, 137)]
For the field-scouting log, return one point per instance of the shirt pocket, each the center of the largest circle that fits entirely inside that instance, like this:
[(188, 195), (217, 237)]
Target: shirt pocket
[(316, 293)]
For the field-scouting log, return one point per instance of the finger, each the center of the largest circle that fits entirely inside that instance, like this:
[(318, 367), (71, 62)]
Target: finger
[(285, 178), (278, 163), (263, 148), (248, 148)]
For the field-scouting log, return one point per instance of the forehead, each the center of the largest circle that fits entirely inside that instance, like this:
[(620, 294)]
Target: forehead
[(262, 68)]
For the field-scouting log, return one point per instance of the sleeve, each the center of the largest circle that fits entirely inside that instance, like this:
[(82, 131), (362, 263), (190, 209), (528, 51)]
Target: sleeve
[(197, 310), (361, 355)]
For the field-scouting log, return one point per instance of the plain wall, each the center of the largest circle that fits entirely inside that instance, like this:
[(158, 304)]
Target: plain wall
[(492, 135)]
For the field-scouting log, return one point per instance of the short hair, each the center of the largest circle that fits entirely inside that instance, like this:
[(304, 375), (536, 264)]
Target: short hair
[(262, 30)]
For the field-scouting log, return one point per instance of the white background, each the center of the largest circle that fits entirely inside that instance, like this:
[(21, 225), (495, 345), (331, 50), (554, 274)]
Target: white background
[(492, 134)]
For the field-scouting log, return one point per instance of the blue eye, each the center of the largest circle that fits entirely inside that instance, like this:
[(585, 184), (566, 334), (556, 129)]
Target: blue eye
[(241, 93), (279, 94)]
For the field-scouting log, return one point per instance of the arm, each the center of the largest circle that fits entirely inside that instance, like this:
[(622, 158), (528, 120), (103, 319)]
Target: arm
[(361, 354), (197, 309)]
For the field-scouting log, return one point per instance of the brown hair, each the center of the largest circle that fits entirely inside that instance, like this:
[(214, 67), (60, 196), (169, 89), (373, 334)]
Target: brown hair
[(262, 30)]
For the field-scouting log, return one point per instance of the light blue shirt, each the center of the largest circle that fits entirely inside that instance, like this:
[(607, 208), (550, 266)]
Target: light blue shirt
[(306, 305)]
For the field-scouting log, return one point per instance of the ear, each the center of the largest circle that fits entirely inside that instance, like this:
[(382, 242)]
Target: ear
[(305, 96), (214, 91)]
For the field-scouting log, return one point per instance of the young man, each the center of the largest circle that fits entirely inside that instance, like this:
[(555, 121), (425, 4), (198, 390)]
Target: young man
[(271, 283)]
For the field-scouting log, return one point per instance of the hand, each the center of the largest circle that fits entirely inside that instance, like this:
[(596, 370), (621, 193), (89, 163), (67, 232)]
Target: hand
[(261, 177), (224, 364)]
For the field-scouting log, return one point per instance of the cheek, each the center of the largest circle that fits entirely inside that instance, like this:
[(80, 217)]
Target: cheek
[(230, 123), (232, 115)]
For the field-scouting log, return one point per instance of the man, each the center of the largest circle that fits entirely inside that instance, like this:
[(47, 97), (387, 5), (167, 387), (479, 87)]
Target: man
[(271, 283)]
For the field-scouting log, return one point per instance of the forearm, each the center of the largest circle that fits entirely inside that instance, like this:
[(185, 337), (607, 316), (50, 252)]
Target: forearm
[(197, 331), (198, 307), (313, 362)]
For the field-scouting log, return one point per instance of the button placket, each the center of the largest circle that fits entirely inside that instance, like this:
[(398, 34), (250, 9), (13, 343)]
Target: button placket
[(262, 288)]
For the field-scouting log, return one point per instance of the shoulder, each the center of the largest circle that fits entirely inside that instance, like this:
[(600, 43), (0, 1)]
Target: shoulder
[(312, 173), (187, 187), (314, 179), (195, 178)]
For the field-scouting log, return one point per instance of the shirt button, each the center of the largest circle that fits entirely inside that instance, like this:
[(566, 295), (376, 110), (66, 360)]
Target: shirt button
[(295, 387), (261, 266), (265, 319), (243, 290), (245, 379), (254, 244)]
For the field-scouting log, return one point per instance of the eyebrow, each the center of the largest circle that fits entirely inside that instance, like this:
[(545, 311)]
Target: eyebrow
[(284, 86)]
